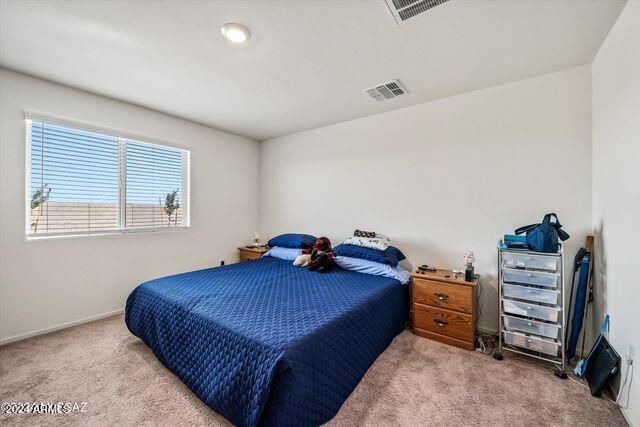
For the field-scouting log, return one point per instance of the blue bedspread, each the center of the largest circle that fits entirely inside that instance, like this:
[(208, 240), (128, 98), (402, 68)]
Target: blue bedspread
[(264, 342)]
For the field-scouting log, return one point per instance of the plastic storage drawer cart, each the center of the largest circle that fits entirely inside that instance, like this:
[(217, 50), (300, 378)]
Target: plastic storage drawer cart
[(532, 305)]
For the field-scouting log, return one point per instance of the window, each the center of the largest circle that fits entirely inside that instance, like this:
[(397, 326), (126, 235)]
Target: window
[(154, 177), (81, 181)]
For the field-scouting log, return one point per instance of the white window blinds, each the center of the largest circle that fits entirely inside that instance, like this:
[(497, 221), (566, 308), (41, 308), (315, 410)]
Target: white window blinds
[(155, 179), (85, 182)]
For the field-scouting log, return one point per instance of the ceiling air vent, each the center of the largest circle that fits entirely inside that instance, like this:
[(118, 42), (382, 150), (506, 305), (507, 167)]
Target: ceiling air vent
[(406, 9), (387, 90)]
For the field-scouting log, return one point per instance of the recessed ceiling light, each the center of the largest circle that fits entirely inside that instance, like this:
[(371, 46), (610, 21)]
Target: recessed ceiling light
[(235, 32)]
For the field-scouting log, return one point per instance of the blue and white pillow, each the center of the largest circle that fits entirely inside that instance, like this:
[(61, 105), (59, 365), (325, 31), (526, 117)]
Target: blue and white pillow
[(293, 240), (365, 266), (390, 256), (289, 254)]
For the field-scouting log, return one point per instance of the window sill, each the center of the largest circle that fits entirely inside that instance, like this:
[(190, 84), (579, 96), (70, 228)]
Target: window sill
[(107, 233)]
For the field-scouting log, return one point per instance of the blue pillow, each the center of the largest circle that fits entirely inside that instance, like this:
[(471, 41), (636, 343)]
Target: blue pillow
[(295, 241), (289, 254), (369, 267), (389, 256), (398, 253)]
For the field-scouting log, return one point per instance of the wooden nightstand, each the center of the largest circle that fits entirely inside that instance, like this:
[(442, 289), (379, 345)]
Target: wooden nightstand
[(444, 307), (247, 253)]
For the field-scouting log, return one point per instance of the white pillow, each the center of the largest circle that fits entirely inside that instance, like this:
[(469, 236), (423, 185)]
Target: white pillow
[(379, 242)]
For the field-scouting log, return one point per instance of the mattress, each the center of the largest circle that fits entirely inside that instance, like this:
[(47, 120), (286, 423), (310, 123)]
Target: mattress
[(264, 342)]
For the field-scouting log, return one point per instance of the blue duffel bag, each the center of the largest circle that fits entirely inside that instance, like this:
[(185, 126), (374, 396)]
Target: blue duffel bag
[(543, 237)]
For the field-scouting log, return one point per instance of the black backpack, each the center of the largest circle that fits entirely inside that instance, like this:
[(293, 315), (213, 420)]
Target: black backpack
[(543, 237)]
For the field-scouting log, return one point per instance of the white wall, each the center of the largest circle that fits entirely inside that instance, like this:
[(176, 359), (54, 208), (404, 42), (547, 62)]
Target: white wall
[(444, 176), (616, 191), (44, 284)]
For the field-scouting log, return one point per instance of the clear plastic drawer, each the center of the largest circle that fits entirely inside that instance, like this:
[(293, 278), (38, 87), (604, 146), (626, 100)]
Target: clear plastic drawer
[(525, 260), (537, 278), (531, 326), (531, 294), (532, 343), (536, 311)]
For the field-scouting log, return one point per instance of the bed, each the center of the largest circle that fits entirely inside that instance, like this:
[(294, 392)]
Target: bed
[(264, 342)]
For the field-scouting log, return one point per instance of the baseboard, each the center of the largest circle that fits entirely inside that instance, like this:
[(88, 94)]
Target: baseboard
[(625, 412), (627, 416), (21, 337)]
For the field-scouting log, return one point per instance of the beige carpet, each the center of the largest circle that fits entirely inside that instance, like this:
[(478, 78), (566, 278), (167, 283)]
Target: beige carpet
[(415, 381)]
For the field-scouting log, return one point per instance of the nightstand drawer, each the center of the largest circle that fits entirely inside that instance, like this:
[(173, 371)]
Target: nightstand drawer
[(445, 322), (247, 253), (444, 295), (248, 256)]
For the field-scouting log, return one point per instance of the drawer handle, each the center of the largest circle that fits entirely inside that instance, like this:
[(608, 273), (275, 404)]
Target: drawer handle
[(441, 296), (440, 323)]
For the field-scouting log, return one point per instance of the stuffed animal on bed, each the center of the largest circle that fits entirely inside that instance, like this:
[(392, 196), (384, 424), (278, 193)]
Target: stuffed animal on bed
[(319, 258)]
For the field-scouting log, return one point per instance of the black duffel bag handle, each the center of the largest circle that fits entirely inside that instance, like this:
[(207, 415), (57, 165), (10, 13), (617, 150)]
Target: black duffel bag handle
[(525, 228), (562, 235)]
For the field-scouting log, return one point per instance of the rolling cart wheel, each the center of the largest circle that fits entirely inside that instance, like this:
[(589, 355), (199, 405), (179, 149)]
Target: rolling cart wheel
[(498, 356), (561, 374)]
